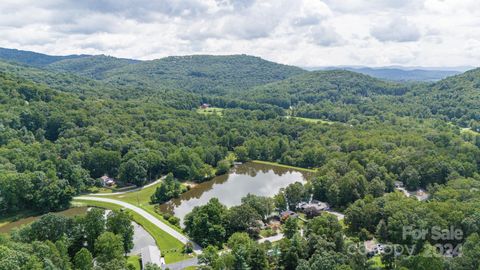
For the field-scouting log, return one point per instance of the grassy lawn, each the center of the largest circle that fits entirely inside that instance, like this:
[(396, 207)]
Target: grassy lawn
[(284, 166), (141, 198), (135, 261), (170, 247), (138, 198), (211, 111)]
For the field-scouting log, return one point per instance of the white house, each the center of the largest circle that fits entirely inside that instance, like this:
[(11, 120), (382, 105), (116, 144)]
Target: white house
[(151, 254)]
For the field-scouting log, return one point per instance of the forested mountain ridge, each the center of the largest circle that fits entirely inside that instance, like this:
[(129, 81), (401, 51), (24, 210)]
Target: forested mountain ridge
[(214, 75), (203, 74), (334, 86), (32, 58), (90, 66), (340, 95), (87, 87), (455, 98), (61, 81)]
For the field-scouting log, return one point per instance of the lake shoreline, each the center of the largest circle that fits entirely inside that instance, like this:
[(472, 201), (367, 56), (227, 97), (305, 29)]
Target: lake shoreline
[(283, 165)]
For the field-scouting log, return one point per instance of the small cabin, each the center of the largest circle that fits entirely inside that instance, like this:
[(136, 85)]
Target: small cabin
[(205, 106), (107, 181)]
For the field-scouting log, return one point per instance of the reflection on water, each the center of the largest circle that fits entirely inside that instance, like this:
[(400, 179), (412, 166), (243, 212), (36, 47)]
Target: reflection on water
[(254, 178)]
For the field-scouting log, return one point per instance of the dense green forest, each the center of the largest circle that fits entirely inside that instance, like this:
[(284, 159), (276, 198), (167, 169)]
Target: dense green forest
[(65, 122), (57, 242), (344, 96)]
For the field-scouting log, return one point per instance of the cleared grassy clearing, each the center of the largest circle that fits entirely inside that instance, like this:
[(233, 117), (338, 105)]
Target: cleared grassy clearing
[(312, 120), (469, 130), (211, 111), (170, 247)]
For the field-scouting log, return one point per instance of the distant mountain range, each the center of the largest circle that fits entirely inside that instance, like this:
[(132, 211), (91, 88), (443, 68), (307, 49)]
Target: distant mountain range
[(402, 74)]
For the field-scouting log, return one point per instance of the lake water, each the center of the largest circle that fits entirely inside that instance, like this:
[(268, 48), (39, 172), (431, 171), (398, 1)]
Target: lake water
[(253, 178)]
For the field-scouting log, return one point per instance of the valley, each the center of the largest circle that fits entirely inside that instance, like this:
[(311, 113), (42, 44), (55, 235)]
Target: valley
[(211, 154)]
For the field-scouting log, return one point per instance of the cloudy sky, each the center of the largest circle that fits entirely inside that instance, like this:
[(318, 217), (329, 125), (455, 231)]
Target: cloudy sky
[(298, 32)]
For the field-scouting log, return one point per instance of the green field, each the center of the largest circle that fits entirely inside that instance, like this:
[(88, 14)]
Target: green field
[(211, 111), (170, 247)]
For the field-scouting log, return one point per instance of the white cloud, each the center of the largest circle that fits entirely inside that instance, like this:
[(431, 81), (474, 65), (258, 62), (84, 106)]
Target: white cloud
[(299, 32), (398, 29), (325, 35)]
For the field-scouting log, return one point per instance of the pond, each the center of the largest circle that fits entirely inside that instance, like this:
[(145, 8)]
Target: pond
[(254, 178)]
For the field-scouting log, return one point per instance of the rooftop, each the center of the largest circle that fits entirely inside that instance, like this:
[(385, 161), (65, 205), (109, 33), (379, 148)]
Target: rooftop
[(151, 254)]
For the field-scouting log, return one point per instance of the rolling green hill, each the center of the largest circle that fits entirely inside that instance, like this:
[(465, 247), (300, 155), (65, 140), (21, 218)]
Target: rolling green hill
[(203, 73), (333, 86), (91, 66), (251, 83), (65, 82), (340, 95), (457, 97), (32, 58), (86, 87)]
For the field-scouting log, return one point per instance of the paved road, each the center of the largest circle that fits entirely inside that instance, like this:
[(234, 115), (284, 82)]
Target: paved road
[(141, 239), (128, 191), (164, 227)]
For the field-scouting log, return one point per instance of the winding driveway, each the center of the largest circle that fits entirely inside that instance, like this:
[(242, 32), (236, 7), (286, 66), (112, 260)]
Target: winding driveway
[(164, 227)]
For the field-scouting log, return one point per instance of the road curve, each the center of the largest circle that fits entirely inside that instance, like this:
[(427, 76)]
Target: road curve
[(164, 227), (130, 190)]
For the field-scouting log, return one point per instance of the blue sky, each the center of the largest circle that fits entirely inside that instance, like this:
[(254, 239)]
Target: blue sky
[(297, 32)]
